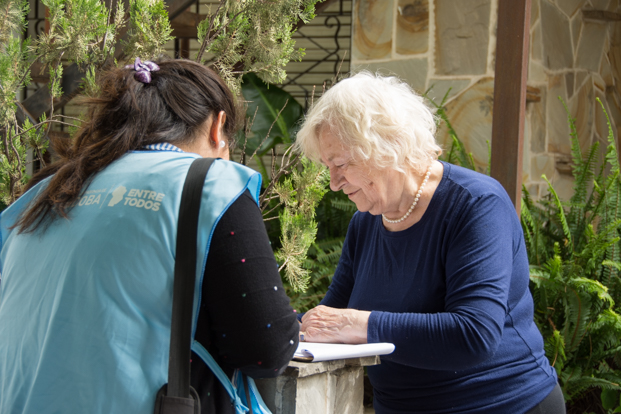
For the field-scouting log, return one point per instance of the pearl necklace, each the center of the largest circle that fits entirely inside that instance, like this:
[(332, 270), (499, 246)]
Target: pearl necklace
[(420, 190)]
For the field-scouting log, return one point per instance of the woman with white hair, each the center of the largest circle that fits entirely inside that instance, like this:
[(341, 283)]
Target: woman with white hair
[(434, 262)]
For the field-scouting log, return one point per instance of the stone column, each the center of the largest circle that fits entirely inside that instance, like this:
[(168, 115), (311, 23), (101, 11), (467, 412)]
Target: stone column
[(331, 387)]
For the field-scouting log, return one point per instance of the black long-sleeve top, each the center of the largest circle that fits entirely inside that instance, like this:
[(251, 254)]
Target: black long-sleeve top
[(245, 320)]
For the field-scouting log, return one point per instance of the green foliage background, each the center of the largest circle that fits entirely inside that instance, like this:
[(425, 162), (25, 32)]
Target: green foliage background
[(575, 259)]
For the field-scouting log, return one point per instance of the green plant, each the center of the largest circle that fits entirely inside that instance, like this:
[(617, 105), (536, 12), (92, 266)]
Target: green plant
[(294, 186), (273, 118), (457, 153), (253, 36), (300, 192), (575, 255), (80, 32), (333, 215)]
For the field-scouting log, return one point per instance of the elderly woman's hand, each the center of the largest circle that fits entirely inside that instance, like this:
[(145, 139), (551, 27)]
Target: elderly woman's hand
[(325, 324)]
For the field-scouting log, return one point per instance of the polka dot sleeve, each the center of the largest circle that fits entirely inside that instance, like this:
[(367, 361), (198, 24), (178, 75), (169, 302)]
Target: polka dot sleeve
[(245, 320)]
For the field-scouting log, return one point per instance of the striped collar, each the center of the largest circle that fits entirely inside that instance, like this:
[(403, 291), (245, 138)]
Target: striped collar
[(163, 146)]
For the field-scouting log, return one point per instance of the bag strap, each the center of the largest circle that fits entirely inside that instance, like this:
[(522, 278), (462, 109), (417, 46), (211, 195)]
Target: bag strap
[(221, 376), (185, 277), (247, 389), (175, 394)]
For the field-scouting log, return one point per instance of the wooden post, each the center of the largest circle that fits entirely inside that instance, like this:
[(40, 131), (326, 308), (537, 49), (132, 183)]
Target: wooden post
[(510, 95)]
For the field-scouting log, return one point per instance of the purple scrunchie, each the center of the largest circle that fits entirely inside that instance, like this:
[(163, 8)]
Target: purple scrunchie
[(143, 70)]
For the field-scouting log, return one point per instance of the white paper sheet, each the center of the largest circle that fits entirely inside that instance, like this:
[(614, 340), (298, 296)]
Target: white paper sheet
[(326, 352)]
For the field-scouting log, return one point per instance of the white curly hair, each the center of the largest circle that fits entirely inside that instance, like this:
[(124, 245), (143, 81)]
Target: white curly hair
[(381, 120)]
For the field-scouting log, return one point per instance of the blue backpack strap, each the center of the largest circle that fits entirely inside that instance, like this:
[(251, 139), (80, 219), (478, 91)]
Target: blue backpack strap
[(241, 381), (199, 350)]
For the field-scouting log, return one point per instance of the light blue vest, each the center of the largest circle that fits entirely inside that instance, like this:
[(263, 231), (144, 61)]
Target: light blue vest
[(85, 306)]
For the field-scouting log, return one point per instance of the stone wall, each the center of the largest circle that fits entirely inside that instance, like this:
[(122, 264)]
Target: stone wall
[(442, 45)]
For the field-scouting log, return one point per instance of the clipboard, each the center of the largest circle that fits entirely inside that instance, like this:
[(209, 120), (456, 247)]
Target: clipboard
[(317, 352)]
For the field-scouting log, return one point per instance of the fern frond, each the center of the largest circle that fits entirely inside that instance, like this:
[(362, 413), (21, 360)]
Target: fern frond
[(462, 157), (327, 244), (344, 205), (611, 156), (560, 213), (584, 211), (578, 384), (330, 256), (528, 227), (576, 317), (607, 332), (555, 349), (576, 152)]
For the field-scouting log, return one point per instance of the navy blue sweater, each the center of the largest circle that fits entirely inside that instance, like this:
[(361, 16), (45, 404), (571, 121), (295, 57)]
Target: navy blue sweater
[(451, 292)]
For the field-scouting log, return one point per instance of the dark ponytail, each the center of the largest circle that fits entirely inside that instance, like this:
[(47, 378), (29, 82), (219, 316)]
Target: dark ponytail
[(126, 116)]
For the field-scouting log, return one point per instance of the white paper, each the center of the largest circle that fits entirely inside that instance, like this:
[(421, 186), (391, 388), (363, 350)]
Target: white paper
[(326, 352)]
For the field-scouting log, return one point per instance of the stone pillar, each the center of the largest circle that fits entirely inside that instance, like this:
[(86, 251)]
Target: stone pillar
[(331, 387)]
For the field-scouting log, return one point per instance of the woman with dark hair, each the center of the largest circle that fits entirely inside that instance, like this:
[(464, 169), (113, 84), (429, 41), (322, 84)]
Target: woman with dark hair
[(88, 252)]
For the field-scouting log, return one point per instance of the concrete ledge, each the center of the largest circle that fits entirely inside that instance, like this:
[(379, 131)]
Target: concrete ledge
[(304, 369), (330, 387)]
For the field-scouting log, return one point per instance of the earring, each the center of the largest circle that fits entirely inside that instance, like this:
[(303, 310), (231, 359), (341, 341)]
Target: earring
[(222, 143)]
